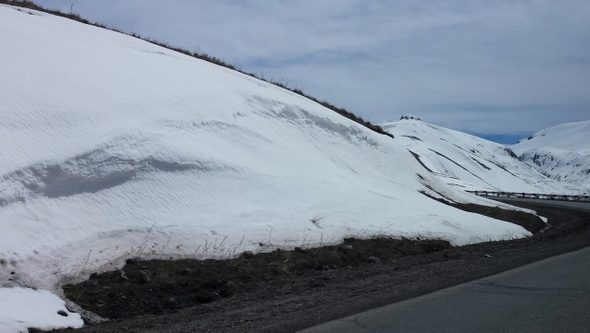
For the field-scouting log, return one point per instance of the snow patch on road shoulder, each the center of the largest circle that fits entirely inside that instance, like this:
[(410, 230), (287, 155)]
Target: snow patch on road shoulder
[(23, 308)]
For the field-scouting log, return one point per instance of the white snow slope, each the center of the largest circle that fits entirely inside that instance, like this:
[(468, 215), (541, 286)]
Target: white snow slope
[(561, 152), (472, 163), (111, 147)]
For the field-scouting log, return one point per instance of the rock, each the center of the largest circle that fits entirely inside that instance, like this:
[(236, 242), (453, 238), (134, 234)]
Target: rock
[(122, 277), (91, 283), (451, 255), (228, 290), (279, 268), (143, 277), (93, 276), (130, 262), (140, 276), (374, 260), (185, 271), (213, 283), (62, 313), (167, 285), (247, 254), (205, 296), (316, 283)]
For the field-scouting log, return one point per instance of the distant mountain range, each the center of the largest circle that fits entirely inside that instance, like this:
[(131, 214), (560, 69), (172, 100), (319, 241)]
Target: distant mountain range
[(561, 152), (554, 160)]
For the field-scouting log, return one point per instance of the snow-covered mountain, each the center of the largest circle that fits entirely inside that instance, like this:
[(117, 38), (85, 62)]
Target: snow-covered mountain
[(112, 147), (469, 162), (561, 152)]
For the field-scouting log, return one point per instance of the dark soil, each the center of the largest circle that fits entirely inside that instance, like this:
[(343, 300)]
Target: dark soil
[(286, 291), (528, 221), (164, 286)]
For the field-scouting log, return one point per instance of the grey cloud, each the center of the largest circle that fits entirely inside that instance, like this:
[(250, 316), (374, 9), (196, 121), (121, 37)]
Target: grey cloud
[(464, 64)]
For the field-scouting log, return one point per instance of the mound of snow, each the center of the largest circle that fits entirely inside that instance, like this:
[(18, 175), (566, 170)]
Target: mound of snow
[(470, 162), (23, 308), (112, 147)]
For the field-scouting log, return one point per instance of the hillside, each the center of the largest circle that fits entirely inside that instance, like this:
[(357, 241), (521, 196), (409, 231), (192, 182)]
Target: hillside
[(561, 152), (112, 147), (469, 162)]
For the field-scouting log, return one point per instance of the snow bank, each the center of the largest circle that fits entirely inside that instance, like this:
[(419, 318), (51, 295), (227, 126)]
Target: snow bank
[(23, 308)]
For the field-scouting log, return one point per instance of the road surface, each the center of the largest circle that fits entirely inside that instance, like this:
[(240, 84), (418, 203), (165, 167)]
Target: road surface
[(552, 295), (568, 204)]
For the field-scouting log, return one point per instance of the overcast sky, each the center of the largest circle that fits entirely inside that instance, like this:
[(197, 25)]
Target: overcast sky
[(505, 68)]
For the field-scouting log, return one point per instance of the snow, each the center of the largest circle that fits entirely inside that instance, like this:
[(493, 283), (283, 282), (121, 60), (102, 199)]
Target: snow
[(567, 137), (472, 163), (23, 308), (112, 147), (561, 152)]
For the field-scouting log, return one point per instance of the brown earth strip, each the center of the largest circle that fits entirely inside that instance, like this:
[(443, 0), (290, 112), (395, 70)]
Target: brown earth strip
[(164, 286)]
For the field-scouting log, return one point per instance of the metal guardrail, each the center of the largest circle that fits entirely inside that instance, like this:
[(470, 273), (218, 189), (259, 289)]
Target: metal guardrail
[(522, 195)]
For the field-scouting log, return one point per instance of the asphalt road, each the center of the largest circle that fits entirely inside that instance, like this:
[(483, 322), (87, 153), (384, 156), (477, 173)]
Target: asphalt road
[(567, 204), (552, 295)]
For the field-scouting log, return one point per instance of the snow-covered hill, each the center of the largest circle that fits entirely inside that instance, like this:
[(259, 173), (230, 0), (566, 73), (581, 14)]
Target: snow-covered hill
[(112, 147), (469, 162), (561, 152)]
